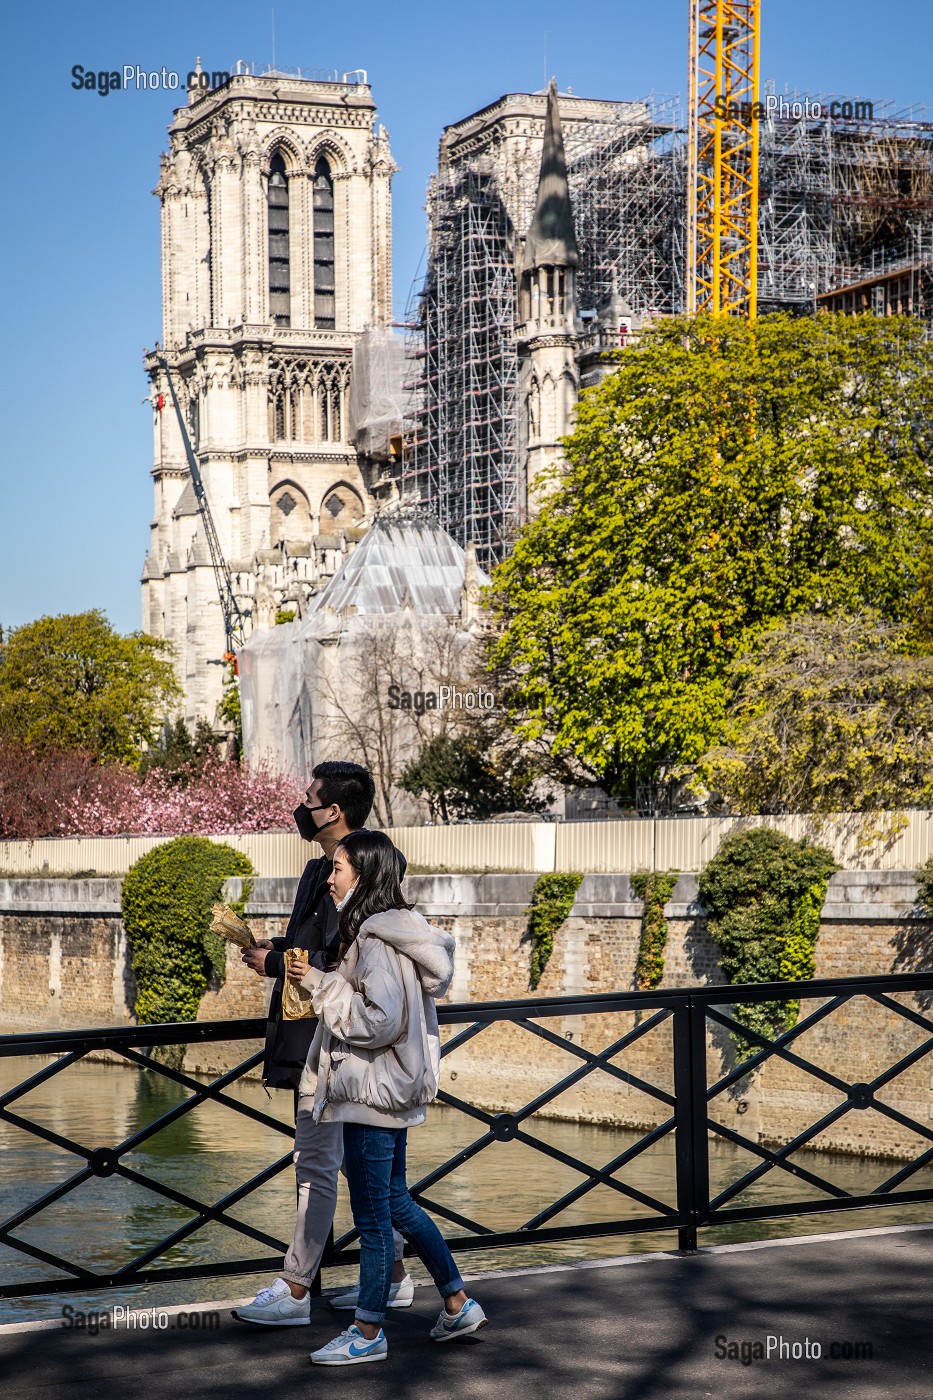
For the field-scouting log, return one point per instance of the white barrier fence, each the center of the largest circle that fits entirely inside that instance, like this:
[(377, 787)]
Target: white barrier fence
[(879, 841)]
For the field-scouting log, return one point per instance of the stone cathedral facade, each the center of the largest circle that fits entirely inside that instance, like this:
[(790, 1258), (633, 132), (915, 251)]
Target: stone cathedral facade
[(276, 258)]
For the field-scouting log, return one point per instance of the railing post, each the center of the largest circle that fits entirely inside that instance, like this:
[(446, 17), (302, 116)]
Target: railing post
[(692, 1141)]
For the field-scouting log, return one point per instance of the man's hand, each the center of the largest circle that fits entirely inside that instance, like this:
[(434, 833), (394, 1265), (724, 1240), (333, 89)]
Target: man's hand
[(264, 943), (256, 959), (297, 969)]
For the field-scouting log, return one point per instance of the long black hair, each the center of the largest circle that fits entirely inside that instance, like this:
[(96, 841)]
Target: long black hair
[(374, 861)]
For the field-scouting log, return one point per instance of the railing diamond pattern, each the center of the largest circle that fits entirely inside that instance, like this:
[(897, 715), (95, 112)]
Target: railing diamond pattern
[(686, 1116)]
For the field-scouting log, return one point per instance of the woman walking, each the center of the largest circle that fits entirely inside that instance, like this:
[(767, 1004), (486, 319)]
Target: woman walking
[(374, 1066)]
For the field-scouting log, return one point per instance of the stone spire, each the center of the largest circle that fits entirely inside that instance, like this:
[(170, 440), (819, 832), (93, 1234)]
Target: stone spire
[(551, 240)]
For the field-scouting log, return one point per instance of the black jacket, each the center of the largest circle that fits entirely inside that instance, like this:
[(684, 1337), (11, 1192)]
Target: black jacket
[(313, 925)]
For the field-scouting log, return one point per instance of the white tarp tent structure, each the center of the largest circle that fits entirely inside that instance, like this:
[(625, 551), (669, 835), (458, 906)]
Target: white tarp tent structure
[(402, 612)]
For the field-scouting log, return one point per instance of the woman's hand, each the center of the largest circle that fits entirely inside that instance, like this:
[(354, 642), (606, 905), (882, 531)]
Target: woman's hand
[(298, 969)]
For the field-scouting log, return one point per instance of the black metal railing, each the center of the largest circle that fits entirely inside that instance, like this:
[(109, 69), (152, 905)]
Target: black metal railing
[(684, 1107)]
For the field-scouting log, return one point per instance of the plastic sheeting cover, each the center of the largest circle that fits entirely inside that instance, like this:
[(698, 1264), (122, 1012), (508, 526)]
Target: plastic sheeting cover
[(378, 398), (404, 579)]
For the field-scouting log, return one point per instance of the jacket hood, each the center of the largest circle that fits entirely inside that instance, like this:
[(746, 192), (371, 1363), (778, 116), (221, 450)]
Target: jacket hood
[(430, 949)]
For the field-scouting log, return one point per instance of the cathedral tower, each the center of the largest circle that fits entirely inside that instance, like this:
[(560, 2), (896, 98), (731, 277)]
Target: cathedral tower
[(276, 256), (548, 329)]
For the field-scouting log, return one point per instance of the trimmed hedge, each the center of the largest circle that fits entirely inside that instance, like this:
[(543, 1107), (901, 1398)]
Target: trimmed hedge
[(167, 899)]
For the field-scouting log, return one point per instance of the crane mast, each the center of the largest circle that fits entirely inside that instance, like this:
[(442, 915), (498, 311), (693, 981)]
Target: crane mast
[(722, 171), (233, 616)]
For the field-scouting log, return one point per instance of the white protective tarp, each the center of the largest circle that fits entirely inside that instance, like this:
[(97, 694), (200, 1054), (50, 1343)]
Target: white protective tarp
[(276, 700), (378, 397), (391, 617)]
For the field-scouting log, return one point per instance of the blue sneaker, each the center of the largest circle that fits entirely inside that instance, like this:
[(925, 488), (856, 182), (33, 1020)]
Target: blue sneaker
[(351, 1347), (470, 1318)]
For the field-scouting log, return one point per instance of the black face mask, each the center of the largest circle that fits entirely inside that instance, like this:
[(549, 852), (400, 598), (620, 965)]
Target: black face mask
[(307, 827)]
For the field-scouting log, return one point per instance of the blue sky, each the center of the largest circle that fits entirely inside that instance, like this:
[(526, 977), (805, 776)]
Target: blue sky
[(80, 236)]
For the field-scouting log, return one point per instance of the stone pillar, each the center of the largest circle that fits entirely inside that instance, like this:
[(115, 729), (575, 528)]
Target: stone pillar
[(350, 262), (255, 254), (301, 249)]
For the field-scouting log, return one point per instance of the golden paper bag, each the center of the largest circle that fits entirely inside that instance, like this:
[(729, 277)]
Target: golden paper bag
[(230, 926), (296, 1001)]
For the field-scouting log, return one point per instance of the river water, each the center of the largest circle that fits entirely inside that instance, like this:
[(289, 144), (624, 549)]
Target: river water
[(208, 1152)]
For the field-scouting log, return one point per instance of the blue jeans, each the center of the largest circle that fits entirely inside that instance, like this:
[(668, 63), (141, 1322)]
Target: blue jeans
[(374, 1160)]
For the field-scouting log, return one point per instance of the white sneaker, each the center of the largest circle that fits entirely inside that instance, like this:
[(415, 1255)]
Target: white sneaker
[(350, 1348), (275, 1307), (401, 1295), (469, 1319)]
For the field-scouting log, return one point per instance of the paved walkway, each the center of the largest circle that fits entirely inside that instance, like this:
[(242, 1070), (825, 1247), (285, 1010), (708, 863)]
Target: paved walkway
[(627, 1329)]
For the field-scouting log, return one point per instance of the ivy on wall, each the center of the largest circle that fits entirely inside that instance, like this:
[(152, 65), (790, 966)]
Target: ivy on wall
[(654, 888), (763, 894), (925, 887), (551, 901), (167, 899)]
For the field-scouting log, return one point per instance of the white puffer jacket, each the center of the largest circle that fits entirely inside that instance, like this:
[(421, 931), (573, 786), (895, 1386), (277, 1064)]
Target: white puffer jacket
[(375, 1056)]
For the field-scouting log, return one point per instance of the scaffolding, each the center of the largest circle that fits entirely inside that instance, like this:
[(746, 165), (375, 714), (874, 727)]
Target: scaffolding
[(463, 460), (842, 200), (626, 171), (627, 178)]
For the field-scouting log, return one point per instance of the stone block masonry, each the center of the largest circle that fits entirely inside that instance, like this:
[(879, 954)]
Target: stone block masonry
[(64, 963)]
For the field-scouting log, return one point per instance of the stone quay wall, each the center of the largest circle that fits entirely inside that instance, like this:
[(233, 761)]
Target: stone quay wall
[(65, 963)]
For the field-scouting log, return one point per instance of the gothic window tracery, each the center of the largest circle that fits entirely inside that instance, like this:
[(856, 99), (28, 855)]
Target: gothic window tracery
[(307, 400), (279, 275), (324, 398), (323, 229)]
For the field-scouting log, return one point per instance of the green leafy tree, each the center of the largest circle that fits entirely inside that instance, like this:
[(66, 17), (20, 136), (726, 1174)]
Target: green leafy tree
[(726, 475), (73, 682), (763, 894), (827, 715), (459, 777)]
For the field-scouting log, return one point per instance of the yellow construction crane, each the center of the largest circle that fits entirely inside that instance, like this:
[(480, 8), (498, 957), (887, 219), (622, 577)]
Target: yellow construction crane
[(722, 170)]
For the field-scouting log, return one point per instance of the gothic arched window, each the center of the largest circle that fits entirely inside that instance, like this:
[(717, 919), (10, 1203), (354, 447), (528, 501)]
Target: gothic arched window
[(336, 426), (325, 410), (280, 303), (340, 508), (323, 213)]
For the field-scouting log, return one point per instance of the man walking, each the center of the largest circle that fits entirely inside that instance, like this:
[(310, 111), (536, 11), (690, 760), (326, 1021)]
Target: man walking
[(338, 800)]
